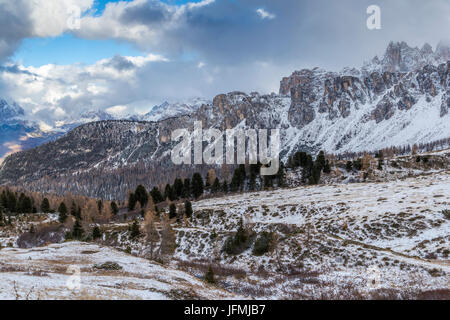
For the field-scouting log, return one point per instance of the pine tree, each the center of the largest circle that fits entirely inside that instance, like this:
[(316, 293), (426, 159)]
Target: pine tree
[(114, 208), (178, 188), (207, 184), (197, 185), (134, 230), (169, 193), (235, 181), (216, 186), (96, 233), (188, 209), (326, 168), (172, 211), (380, 164), (77, 232), (45, 206), (349, 166), (24, 204), (187, 192), (141, 195), (132, 200), (321, 160), (156, 195), (62, 209), (100, 206), (225, 186), (209, 276)]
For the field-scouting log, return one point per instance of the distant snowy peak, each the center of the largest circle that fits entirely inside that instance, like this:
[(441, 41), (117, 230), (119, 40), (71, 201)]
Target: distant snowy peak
[(169, 110), (96, 115), (10, 111), (399, 57)]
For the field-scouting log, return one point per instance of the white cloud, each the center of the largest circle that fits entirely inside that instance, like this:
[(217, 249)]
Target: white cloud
[(265, 14), (117, 110)]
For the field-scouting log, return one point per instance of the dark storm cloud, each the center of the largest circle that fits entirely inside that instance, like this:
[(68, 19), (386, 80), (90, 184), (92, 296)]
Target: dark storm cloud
[(151, 12), (326, 33), (120, 63), (15, 25), (15, 69)]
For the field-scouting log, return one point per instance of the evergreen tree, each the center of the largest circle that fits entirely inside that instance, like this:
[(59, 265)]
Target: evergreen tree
[(114, 208), (77, 232), (62, 209), (225, 186), (178, 188), (268, 182), (235, 181), (197, 185), (254, 171), (216, 186), (169, 193), (187, 192), (188, 209), (242, 176), (134, 230), (45, 206), (207, 184), (96, 233), (24, 204), (349, 166), (100, 206), (172, 211), (209, 276), (156, 195), (321, 160), (357, 164), (315, 174), (11, 201), (73, 209), (141, 195), (132, 200), (380, 164), (326, 168)]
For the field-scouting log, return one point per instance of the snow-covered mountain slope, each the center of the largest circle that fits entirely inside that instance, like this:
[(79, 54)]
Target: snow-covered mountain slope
[(331, 240), (49, 273), (169, 110)]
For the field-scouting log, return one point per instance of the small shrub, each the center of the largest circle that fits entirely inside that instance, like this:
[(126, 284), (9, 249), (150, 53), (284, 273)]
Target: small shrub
[(109, 265), (209, 276), (240, 242), (262, 244), (446, 214)]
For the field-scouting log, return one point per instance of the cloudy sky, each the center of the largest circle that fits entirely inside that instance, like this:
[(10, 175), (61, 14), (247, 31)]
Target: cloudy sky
[(126, 56)]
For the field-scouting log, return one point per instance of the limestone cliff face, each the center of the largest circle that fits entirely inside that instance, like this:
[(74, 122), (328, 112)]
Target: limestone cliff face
[(394, 83)]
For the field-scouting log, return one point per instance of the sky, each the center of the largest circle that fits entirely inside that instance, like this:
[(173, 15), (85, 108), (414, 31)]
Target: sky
[(62, 57)]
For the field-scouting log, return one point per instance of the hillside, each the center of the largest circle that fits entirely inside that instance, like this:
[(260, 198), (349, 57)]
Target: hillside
[(45, 274), (368, 240)]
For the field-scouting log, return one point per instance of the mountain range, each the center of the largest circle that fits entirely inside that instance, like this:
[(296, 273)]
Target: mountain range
[(401, 98), (19, 132)]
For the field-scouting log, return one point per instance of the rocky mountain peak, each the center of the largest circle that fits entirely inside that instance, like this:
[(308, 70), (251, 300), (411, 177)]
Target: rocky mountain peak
[(443, 50), (9, 111)]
